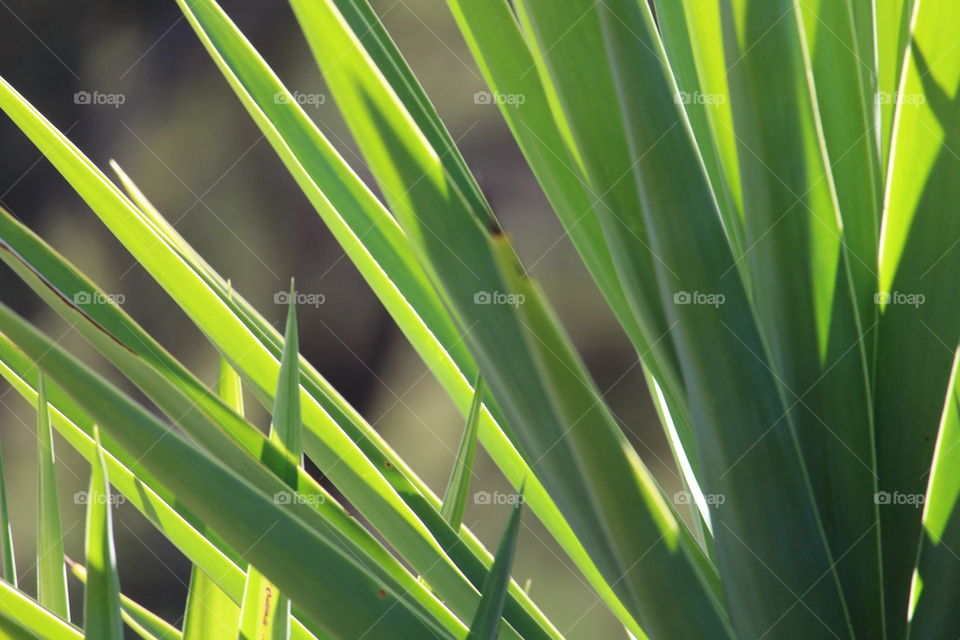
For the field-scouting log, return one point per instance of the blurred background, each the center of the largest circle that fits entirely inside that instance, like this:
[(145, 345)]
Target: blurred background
[(176, 127)]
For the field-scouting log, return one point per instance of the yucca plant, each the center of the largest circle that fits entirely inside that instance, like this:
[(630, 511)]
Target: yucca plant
[(763, 191)]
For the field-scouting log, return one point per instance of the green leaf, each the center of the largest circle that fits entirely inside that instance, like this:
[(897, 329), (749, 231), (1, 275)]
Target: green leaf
[(932, 605), (142, 621), (919, 268), (7, 551), (455, 497), (739, 459), (51, 571), (210, 613), (215, 426), (894, 25), (265, 613), (286, 424), (200, 545), (388, 264), (101, 601), (693, 39), (22, 618), (486, 622), (454, 243), (329, 446), (327, 584)]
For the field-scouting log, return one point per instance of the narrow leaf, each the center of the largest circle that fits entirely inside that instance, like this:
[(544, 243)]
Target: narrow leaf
[(326, 583), (22, 618), (210, 613), (486, 622), (455, 497), (146, 624), (286, 425), (101, 611), (7, 552), (51, 571)]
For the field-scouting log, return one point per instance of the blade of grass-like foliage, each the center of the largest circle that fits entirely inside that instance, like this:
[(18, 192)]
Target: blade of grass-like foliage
[(330, 586), (331, 448), (22, 617), (663, 551), (919, 267), (810, 259), (7, 551), (230, 387), (51, 571), (894, 25), (372, 35), (166, 382), (455, 497), (491, 31), (692, 38), (454, 242), (265, 612), (933, 607), (839, 46), (101, 597), (741, 460), (10, 630), (466, 550), (840, 39), (210, 613), (541, 130), (486, 622), (286, 425), (142, 621), (417, 310), (153, 500)]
